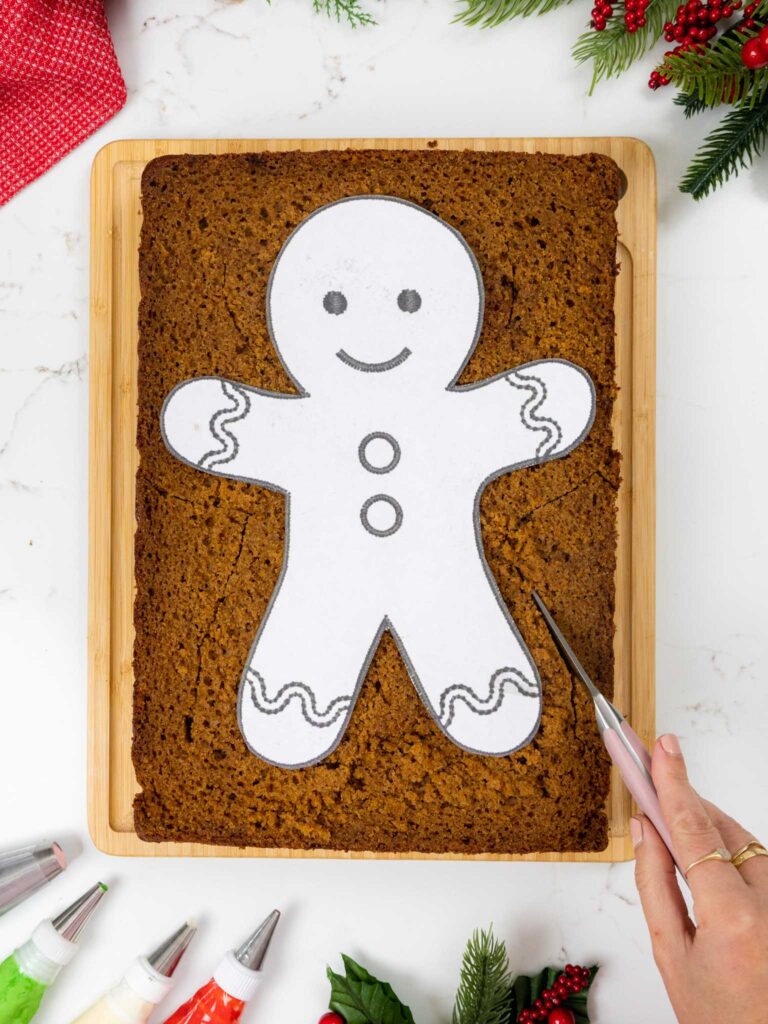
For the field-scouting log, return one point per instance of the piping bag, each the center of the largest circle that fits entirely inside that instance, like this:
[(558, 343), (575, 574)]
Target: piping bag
[(24, 871), (223, 999), (28, 972), (146, 982)]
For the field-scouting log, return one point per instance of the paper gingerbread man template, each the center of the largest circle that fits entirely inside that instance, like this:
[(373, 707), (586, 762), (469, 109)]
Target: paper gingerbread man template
[(374, 306)]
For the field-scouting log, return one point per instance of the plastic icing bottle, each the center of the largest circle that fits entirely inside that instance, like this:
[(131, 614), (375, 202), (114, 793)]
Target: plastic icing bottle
[(234, 982), (28, 972), (145, 983)]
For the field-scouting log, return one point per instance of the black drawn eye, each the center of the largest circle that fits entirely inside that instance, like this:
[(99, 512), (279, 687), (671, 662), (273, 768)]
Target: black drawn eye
[(409, 300), (335, 303)]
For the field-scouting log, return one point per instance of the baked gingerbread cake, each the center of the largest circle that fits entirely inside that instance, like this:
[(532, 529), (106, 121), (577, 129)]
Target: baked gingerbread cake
[(209, 550)]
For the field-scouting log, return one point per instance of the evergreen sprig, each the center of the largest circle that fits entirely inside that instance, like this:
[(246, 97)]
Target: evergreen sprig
[(691, 103), (484, 990), (739, 138), (489, 13), (718, 75), (614, 49), (349, 9)]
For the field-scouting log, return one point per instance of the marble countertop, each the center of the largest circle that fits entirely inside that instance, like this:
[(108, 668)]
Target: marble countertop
[(248, 69)]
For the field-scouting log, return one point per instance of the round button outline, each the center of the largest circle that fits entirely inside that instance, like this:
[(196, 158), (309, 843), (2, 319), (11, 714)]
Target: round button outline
[(393, 503), (384, 436)]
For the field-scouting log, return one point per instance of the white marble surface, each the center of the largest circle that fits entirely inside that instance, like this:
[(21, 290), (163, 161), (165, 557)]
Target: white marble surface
[(244, 69)]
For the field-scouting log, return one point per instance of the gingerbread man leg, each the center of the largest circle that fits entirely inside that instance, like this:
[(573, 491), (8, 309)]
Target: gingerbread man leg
[(305, 669), (468, 661)]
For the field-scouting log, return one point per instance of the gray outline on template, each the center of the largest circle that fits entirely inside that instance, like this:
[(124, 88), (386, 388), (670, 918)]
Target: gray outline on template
[(393, 503), (386, 625), (364, 461), (387, 364)]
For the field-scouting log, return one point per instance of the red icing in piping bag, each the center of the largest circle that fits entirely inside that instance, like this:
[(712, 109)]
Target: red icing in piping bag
[(209, 1005), (223, 999)]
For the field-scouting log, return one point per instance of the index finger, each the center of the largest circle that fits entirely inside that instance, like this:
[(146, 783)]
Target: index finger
[(694, 834)]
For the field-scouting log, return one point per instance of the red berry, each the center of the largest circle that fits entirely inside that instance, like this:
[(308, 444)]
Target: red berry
[(762, 37), (562, 1015), (331, 1018), (753, 54)]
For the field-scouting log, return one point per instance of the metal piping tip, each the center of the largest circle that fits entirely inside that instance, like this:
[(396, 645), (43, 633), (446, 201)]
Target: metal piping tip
[(70, 922), (252, 952), (166, 958), (50, 860), (24, 871)]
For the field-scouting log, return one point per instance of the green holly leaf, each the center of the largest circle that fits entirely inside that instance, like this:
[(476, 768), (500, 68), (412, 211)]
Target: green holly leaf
[(362, 999)]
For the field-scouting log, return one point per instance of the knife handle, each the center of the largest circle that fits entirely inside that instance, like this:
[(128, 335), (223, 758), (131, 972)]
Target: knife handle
[(639, 784)]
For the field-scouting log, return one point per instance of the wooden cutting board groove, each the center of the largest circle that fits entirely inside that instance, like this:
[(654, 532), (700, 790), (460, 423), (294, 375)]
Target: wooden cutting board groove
[(115, 227)]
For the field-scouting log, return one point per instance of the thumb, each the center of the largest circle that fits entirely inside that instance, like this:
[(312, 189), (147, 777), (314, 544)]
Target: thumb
[(663, 904)]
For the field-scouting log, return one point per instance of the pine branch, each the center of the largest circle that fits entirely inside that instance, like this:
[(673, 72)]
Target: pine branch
[(485, 986), (739, 138), (489, 13), (717, 75), (691, 103), (614, 49), (349, 9)]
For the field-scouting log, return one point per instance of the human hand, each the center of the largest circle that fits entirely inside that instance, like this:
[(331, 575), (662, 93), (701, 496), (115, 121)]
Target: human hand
[(716, 969)]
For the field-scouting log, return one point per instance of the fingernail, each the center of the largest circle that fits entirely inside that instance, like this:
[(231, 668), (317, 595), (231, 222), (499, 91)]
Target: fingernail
[(671, 744), (636, 831)]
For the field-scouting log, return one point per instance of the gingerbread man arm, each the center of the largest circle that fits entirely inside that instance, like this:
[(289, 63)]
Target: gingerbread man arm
[(231, 430), (532, 414)]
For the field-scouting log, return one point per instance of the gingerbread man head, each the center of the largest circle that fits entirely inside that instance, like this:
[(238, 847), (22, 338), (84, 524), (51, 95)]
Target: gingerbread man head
[(373, 287)]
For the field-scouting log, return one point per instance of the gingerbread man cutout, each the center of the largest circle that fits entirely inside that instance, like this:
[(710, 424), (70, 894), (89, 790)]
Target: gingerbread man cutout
[(374, 306)]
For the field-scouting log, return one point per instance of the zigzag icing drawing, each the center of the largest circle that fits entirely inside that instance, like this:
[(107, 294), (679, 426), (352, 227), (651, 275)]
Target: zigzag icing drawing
[(529, 413), (219, 423), (302, 694), (504, 677)]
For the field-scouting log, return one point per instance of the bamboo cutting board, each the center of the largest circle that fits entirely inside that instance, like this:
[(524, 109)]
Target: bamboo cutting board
[(115, 227)]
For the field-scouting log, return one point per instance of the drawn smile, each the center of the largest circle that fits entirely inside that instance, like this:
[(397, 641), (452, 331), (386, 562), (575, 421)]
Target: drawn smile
[(388, 364)]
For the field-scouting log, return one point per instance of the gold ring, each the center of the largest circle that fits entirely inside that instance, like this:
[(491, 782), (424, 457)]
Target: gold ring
[(718, 854), (753, 849)]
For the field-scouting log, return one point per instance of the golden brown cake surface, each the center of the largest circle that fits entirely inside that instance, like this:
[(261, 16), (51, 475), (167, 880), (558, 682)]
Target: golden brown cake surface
[(209, 551)]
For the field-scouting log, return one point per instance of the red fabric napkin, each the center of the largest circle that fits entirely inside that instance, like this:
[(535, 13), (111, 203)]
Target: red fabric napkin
[(59, 82)]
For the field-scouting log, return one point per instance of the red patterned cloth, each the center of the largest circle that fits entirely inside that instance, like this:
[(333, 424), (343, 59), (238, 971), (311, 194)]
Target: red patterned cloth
[(59, 82)]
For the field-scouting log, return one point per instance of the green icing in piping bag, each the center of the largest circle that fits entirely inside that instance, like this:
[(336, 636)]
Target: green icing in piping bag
[(19, 995), (29, 971)]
